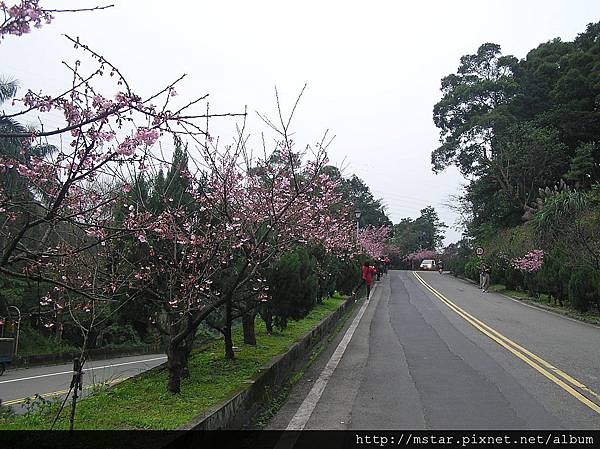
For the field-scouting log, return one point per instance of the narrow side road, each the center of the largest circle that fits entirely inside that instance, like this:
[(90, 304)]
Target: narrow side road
[(434, 352), (51, 381)]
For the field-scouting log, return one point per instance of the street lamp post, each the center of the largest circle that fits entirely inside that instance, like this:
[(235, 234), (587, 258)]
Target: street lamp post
[(357, 214), (18, 328)]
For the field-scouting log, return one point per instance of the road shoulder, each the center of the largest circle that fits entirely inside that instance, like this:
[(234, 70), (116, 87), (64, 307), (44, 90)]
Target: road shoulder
[(339, 415)]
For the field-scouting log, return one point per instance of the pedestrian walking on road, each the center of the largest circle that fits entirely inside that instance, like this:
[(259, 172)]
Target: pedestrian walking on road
[(367, 273), (481, 266), (485, 281)]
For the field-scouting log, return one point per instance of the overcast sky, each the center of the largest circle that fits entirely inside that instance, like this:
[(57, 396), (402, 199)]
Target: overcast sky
[(373, 68)]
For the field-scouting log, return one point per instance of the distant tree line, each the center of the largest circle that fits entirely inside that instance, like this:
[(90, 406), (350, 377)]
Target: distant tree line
[(525, 133)]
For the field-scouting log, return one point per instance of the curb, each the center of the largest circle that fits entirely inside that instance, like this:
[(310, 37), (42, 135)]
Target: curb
[(235, 412)]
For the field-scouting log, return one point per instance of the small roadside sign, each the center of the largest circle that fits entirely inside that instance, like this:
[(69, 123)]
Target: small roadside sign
[(479, 251)]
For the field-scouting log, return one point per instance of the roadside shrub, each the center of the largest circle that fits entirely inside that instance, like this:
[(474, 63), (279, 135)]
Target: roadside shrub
[(347, 276), (327, 268), (472, 269), (293, 283), (118, 334), (33, 342), (531, 284), (456, 255), (583, 288), (38, 408), (6, 412), (548, 278), (513, 279), (564, 274), (498, 266), (456, 265)]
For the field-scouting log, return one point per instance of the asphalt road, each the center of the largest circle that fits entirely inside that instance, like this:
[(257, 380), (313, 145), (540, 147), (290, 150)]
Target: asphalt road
[(450, 358), (52, 381)]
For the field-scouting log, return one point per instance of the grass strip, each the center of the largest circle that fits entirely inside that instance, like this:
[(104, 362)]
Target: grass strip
[(143, 402)]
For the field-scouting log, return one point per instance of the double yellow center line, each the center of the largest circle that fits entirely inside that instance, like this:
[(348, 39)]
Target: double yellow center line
[(557, 376)]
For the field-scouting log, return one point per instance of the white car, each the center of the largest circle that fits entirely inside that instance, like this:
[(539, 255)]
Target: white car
[(427, 264)]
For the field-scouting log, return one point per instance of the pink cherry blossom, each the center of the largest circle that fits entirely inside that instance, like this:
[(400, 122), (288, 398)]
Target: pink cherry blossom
[(20, 17), (421, 255), (147, 136), (530, 262), (373, 240)]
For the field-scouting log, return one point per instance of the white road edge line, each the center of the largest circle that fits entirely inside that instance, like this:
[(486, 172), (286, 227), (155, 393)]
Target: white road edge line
[(310, 402), (86, 369)]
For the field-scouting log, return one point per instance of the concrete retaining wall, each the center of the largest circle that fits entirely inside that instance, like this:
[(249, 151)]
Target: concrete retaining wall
[(243, 406)]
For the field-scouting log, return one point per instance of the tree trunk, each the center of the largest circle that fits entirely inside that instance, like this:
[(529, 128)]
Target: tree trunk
[(227, 334), (248, 325), (58, 330), (229, 354), (267, 317), (176, 360), (320, 293), (189, 342)]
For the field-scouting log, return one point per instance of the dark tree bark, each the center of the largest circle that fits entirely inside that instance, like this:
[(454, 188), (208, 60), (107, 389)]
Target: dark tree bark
[(229, 354), (176, 360), (177, 355), (267, 317), (189, 343), (248, 325), (320, 292)]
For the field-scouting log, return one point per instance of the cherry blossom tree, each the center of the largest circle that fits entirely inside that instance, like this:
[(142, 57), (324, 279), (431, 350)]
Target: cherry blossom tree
[(64, 233), (87, 231), (373, 240), (21, 17), (103, 138), (240, 214), (415, 258), (530, 262)]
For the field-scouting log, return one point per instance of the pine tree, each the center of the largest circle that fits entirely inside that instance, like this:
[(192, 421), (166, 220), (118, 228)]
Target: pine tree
[(583, 171)]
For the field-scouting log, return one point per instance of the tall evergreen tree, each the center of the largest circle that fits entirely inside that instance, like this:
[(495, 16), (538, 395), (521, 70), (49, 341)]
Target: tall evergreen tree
[(584, 169)]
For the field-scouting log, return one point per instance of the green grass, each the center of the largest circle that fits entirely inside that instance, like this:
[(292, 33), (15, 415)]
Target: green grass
[(546, 302), (144, 403)]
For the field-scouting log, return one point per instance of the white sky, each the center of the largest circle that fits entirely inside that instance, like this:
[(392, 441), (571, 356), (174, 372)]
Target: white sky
[(373, 68)]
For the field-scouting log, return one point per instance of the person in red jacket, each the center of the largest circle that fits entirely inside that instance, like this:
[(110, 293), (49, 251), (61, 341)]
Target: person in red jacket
[(366, 278)]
